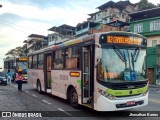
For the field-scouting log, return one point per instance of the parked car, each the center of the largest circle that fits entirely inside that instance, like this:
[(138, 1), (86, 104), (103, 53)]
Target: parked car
[(3, 78)]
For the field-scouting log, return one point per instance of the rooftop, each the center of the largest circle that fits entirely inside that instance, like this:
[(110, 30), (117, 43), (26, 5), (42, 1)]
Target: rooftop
[(120, 5), (63, 29), (36, 35), (149, 13)]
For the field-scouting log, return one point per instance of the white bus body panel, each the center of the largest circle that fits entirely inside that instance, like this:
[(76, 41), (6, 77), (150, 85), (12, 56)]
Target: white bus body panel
[(34, 75), (61, 80)]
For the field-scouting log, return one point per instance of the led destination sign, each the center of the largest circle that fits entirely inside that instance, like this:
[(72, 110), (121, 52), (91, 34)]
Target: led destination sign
[(124, 40), (22, 59)]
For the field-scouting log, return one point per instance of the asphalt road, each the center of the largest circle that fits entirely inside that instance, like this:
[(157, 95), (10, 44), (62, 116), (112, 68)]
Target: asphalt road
[(29, 101)]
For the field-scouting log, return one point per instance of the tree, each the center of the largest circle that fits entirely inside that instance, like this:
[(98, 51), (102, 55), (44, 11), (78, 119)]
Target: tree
[(144, 4)]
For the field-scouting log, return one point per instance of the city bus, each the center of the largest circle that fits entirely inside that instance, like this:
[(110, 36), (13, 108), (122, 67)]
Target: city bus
[(15, 64), (103, 71)]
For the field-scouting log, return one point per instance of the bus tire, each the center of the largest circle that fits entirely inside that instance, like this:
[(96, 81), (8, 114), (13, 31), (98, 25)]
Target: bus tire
[(39, 87), (73, 98)]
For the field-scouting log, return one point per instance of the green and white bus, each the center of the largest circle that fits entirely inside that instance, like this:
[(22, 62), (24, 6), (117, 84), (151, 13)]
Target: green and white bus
[(104, 71), (14, 64)]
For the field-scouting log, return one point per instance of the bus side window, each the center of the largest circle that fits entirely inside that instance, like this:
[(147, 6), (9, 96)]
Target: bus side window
[(58, 59), (30, 62), (40, 61), (72, 57), (35, 61)]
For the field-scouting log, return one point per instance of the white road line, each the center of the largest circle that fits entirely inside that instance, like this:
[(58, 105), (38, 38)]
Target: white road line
[(60, 109), (38, 101), (34, 95), (46, 102), (26, 91)]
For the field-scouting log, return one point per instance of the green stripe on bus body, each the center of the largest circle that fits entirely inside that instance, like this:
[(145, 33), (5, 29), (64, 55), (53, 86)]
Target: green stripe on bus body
[(79, 82), (127, 92)]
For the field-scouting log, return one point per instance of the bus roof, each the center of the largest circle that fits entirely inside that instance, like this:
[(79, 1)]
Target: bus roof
[(81, 39)]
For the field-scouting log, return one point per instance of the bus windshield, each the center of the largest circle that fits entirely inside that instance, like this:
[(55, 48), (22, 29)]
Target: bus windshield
[(22, 66), (122, 64)]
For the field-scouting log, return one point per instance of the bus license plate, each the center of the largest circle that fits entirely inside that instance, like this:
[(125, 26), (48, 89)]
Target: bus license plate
[(131, 103)]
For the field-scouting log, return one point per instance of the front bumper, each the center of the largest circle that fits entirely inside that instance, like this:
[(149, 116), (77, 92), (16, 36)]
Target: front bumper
[(104, 104)]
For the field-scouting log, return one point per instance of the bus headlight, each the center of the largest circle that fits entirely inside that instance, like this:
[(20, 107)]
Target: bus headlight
[(105, 94), (4, 79)]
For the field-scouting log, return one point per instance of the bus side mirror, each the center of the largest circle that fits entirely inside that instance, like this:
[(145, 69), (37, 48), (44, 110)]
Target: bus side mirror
[(98, 52)]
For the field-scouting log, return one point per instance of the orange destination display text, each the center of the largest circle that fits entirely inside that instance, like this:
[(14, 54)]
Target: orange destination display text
[(113, 75), (124, 40)]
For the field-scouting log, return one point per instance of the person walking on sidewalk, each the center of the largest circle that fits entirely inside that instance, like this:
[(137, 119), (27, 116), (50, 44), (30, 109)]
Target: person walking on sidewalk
[(19, 79), (9, 74)]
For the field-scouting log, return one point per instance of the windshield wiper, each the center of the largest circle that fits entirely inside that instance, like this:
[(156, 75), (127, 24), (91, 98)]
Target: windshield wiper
[(135, 56), (120, 54)]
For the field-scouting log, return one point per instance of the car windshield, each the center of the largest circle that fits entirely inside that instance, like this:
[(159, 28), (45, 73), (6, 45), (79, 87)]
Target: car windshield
[(122, 64)]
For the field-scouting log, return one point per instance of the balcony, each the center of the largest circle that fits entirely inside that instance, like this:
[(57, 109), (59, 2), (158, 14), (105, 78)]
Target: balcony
[(82, 31)]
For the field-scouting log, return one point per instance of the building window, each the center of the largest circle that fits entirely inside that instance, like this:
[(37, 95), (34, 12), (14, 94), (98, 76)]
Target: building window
[(138, 28), (154, 43), (155, 25)]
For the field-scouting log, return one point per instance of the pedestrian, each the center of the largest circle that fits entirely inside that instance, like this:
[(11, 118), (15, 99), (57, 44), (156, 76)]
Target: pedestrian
[(9, 74), (19, 79)]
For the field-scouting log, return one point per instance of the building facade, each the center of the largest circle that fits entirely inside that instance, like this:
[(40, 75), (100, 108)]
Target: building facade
[(147, 23), (60, 34), (35, 42), (112, 11), (111, 16)]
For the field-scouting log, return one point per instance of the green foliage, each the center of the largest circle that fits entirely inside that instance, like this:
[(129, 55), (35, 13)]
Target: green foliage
[(18, 51), (144, 4)]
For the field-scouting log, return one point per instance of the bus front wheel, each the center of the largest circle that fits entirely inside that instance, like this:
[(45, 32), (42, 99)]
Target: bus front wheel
[(74, 98)]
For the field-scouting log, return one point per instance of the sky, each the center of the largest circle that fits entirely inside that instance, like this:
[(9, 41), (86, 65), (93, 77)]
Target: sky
[(20, 18)]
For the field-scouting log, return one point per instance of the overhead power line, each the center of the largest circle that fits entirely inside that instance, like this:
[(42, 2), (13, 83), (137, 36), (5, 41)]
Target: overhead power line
[(14, 27), (17, 27)]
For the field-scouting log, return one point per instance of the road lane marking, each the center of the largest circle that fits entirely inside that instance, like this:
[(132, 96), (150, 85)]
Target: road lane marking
[(60, 109), (34, 95), (38, 101), (46, 102), (26, 91), (154, 100)]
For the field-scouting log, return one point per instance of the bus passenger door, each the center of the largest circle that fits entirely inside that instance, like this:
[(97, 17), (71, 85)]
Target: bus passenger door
[(87, 75), (47, 72)]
